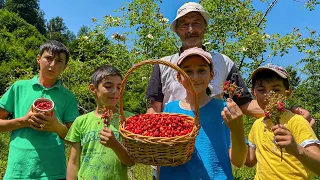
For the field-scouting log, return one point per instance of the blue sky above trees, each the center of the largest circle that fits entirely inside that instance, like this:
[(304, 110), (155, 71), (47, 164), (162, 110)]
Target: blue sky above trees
[(284, 16)]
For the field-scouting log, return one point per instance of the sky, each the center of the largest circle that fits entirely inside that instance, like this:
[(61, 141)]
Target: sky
[(284, 16)]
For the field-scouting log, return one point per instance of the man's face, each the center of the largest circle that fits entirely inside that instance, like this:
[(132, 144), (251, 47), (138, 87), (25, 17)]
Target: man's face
[(191, 28), (51, 66)]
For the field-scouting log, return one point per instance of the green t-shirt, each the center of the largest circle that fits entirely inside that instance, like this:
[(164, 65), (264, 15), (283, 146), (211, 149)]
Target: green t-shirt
[(97, 161), (37, 154)]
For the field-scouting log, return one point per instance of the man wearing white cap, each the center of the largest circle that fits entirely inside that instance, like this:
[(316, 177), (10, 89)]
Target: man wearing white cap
[(190, 25)]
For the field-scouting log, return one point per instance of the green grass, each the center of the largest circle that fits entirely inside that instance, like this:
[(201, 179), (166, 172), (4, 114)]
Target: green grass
[(140, 172), (137, 172), (4, 147), (243, 173)]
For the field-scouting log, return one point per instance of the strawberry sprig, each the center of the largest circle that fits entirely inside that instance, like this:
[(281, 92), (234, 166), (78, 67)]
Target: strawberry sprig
[(107, 116), (275, 108), (232, 89)]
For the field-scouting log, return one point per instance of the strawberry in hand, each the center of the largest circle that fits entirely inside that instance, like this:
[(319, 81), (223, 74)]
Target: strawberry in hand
[(274, 108), (231, 89)]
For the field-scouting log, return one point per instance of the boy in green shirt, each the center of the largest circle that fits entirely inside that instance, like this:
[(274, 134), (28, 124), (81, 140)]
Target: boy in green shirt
[(89, 159), (36, 142)]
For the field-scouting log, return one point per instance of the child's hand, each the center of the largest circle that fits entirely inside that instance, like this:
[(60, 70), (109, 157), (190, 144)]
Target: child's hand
[(284, 139), (107, 138), (25, 120), (232, 116), (43, 122)]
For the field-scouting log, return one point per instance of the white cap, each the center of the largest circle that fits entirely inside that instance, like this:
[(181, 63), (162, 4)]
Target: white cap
[(190, 7)]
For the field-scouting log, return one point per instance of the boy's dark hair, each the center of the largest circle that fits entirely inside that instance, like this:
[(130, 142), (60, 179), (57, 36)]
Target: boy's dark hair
[(268, 75), (102, 72), (55, 47)]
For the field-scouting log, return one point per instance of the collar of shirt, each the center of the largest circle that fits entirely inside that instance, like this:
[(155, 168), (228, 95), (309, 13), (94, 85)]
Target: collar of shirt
[(181, 50), (35, 81)]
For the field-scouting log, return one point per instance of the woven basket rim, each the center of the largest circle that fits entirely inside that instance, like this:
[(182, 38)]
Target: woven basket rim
[(166, 63), (178, 141)]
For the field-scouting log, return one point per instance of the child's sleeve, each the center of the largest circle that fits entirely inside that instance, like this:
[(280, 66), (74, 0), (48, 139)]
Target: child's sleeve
[(302, 132), (74, 133), (251, 136), (7, 100), (173, 107), (170, 107), (71, 112)]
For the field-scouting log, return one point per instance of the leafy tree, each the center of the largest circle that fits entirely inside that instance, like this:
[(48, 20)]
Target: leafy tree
[(58, 30), (19, 45), (84, 31), (1, 4), (91, 52), (237, 30), (30, 11), (56, 24), (295, 80)]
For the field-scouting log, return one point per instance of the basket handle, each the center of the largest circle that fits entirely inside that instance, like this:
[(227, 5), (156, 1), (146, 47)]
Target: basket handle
[(155, 61)]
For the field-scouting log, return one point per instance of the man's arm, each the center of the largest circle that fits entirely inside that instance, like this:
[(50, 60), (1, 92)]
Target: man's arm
[(305, 114), (154, 91), (13, 124), (252, 109), (247, 105), (155, 107)]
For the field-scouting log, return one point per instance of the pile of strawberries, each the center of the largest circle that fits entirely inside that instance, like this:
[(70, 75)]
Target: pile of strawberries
[(159, 125), (43, 105)]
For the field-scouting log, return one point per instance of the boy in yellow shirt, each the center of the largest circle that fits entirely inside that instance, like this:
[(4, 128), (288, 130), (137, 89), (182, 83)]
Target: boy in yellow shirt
[(300, 146)]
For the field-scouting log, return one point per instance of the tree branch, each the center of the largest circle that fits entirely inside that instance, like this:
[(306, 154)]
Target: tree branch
[(259, 24), (86, 111), (267, 11)]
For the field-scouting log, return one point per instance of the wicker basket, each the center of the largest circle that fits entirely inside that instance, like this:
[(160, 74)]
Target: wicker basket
[(159, 151)]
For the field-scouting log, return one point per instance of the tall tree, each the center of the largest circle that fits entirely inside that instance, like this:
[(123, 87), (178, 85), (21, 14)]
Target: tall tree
[(58, 30), (1, 4), (30, 11), (295, 80), (84, 31), (19, 45), (56, 24)]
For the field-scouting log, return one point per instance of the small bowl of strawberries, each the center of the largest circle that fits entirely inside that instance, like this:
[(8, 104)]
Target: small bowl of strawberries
[(44, 106)]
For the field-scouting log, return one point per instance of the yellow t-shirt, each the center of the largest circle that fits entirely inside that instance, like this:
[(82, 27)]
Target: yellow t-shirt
[(269, 164)]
